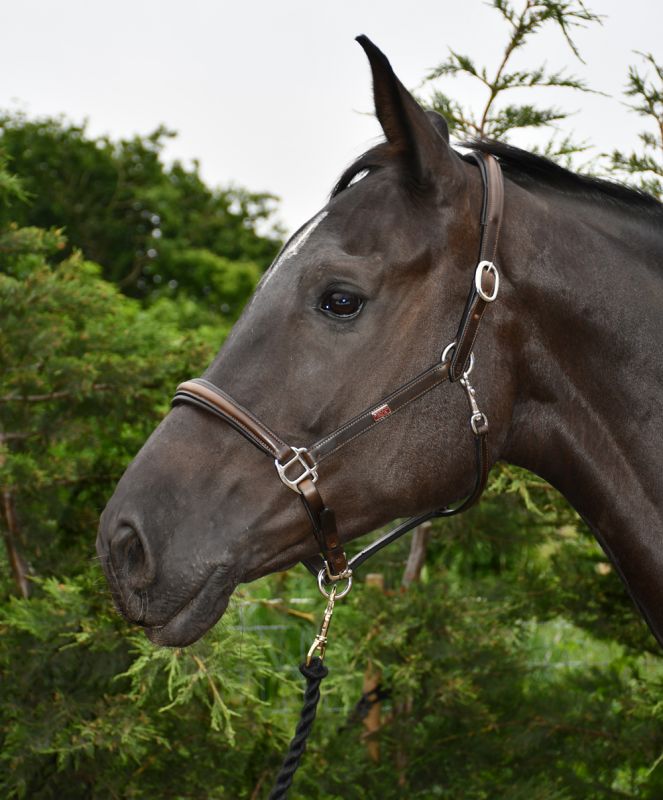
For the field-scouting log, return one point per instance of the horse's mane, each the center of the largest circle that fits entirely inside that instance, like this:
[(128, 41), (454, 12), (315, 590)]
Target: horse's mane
[(528, 170), (376, 157)]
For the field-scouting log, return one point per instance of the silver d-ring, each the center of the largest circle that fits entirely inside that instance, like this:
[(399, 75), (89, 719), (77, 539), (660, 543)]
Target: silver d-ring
[(447, 351), (486, 266), (322, 576)]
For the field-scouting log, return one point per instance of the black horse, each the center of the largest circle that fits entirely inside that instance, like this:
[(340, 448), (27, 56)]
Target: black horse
[(569, 369)]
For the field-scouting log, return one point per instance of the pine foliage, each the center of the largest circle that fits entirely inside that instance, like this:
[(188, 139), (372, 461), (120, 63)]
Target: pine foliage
[(499, 118), (645, 92)]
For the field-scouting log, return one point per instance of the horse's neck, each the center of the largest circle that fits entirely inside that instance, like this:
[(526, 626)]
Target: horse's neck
[(588, 285)]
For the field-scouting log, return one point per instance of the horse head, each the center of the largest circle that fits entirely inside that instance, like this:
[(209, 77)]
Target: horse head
[(363, 297), (361, 300)]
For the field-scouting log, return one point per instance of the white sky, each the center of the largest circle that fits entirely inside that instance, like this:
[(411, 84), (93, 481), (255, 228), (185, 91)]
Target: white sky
[(267, 94)]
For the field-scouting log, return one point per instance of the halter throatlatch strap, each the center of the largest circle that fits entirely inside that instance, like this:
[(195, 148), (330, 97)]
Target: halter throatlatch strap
[(297, 467)]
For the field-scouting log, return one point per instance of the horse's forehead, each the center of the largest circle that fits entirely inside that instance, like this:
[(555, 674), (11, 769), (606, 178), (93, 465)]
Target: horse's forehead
[(293, 247), (367, 219), (378, 216)]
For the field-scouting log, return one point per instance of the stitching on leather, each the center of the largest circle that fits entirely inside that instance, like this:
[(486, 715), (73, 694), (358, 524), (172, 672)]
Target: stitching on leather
[(386, 400), (476, 332), (258, 423), (233, 421), (224, 396), (365, 430)]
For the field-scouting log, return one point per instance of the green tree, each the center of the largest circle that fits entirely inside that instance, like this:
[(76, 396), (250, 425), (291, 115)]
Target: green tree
[(644, 167), (89, 708), (77, 360), (142, 221), (498, 117)]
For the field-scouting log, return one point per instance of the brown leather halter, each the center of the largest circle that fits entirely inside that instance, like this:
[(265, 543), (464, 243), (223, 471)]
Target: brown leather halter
[(298, 467)]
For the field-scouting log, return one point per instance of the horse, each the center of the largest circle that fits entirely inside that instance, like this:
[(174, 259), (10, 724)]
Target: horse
[(568, 368)]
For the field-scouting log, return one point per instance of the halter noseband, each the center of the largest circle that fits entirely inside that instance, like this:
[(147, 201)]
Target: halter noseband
[(297, 467)]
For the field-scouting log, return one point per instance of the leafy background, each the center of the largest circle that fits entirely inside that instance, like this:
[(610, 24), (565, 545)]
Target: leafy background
[(511, 662)]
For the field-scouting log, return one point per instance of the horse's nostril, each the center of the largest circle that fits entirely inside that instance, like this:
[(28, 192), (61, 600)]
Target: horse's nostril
[(131, 557)]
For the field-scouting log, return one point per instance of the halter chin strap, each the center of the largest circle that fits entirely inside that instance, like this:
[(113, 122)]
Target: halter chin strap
[(297, 467)]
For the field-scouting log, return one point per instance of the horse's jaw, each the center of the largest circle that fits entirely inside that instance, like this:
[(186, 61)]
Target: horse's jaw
[(197, 616)]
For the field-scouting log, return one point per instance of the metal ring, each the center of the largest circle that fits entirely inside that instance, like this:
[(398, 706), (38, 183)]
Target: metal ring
[(445, 357), (486, 266), (322, 576)]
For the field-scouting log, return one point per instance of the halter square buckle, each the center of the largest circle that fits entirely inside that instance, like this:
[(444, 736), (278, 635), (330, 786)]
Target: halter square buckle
[(308, 470)]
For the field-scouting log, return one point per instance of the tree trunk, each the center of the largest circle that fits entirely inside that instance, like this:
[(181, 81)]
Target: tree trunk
[(417, 557), (412, 574), (372, 678), (10, 534)]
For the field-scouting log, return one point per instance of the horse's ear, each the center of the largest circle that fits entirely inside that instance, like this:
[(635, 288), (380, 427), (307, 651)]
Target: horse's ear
[(439, 123), (420, 137)]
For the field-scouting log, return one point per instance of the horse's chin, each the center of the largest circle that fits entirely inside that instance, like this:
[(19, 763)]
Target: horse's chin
[(194, 619)]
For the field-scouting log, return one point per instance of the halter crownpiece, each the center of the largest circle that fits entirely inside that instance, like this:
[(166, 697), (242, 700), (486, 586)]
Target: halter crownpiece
[(297, 467)]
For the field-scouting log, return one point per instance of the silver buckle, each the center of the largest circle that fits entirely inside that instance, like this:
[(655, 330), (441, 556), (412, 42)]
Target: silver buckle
[(486, 266), (298, 458)]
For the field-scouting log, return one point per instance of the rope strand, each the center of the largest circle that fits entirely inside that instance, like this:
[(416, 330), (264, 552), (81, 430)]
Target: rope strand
[(314, 673)]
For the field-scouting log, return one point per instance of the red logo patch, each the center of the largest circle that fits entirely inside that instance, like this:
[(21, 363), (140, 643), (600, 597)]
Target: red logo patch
[(381, 412)]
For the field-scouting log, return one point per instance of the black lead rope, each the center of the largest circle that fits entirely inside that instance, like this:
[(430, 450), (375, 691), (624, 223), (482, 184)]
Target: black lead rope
[(314, 673)]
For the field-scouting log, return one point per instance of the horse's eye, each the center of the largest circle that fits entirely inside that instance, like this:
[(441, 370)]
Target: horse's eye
[(341, 304)]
